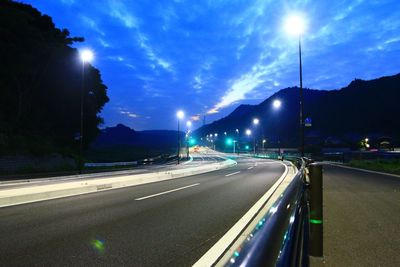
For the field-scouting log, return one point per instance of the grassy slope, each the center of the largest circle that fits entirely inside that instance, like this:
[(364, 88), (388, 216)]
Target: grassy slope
[(389, 166)]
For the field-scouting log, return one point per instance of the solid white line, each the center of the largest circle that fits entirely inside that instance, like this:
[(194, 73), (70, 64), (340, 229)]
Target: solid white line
[(166, 192), (232, 173), (249, 168), (190, 160), (211, 256)]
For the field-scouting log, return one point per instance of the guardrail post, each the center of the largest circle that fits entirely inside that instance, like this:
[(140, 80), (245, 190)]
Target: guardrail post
[(316, 222)]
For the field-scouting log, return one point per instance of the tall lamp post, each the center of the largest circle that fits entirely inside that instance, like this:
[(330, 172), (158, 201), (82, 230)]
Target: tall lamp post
[(255, 123), (188, 125), (277, 105), (180, 114), (238, 148), (86, 56), (248, 133), (295, 26)]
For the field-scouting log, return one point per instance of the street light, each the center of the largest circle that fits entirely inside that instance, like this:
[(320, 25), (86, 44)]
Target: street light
[(238, 148), (188, 125), (248, 132), (255, 122), (295, 25), (277, 105), (86, 57), (180, 115)]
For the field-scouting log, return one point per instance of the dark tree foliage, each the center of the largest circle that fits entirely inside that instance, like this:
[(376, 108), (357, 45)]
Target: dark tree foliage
[(41, 82)]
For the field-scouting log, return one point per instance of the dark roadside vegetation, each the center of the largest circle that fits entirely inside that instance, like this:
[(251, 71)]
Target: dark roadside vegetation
[(41, 84), (388, 166)]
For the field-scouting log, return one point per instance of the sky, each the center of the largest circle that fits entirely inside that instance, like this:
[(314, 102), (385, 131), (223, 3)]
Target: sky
[(206, 57)]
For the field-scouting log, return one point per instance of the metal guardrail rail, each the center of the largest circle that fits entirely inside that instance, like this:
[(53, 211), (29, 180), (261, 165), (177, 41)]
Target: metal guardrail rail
[(281, 237)]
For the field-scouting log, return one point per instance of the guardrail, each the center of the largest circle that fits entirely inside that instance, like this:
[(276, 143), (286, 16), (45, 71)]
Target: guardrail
[(281, 237)]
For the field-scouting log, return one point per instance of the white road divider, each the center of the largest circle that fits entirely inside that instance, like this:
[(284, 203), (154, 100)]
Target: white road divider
[(22, 195)]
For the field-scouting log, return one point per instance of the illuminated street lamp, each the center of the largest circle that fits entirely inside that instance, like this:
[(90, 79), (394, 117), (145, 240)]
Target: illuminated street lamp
[(277, 105), (263, 143), (255, 122), (180, 115), (86, 57), (295, 25), (237, 133), (188, 125), (248, 132)]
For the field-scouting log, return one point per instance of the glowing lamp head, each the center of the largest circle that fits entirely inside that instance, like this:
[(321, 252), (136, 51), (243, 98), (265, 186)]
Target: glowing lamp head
[(256, 121), (86, 55), (180, 114), (188, 123), (276, 104), (248, 132), (295, 25)]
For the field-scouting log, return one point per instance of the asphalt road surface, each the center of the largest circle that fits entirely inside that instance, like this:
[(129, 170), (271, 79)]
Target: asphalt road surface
[(361, 218), (170, 223)]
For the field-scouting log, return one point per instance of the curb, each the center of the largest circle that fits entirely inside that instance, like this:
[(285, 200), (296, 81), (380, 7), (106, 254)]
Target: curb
[(17, 196)]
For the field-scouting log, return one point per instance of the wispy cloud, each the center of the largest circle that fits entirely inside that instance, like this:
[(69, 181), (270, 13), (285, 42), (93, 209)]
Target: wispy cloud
[(151, 54), (129, 114), (91, 23), (121, 12)]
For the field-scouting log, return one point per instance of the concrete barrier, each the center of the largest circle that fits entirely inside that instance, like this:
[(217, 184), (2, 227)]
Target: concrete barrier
[(16, 196)]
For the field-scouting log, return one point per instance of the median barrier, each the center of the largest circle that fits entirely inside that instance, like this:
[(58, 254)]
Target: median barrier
[(16, 196)]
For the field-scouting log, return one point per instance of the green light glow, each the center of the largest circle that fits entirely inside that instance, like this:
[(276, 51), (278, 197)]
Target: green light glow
[(228, 141), (98, 245), (236, 254), (192, 141), (314, 221)]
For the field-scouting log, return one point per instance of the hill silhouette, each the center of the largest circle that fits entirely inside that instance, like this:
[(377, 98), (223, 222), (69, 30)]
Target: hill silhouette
[(361, 109)]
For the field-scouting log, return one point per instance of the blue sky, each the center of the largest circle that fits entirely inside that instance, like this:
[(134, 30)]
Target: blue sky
[(209, 56)]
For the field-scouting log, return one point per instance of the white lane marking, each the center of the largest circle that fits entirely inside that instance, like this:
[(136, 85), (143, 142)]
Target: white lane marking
[(167, 192), (232, 173), (249, 168), (190, 160), (211, 257)]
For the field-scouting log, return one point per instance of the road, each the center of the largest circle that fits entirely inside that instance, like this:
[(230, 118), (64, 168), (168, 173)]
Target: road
[(170, 223), (361, 218)]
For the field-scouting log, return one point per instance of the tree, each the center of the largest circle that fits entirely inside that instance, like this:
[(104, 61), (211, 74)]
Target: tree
[(41, 80)]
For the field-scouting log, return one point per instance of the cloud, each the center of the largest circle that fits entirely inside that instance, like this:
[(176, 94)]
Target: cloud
[(120, 11), (195, 117), (151, 54), (91, 24), (124, 111), (103, 43), (197, 84)]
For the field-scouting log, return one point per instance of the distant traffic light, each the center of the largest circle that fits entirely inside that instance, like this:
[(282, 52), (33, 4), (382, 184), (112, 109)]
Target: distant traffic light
[(229, 141), (192, 141)]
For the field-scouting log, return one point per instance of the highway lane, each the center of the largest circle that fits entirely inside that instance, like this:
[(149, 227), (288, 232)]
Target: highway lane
[(114, 228), (361, 218)]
